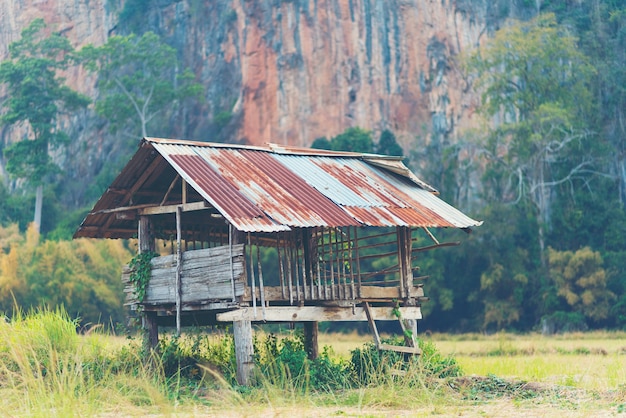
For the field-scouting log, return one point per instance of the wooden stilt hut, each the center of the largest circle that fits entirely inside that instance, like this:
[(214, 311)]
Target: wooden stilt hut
[(272, 234)]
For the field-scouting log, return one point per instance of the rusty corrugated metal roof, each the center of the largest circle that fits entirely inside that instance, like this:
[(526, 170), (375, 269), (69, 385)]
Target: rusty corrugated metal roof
[(274, 188)]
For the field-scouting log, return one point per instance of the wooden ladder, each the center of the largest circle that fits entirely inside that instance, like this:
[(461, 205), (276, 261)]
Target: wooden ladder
[(410, 348)]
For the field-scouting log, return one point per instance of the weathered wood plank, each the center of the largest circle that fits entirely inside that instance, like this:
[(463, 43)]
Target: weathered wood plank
[(206, 276), (400, 349), (318, 313), (244, 350), (187, 207), (374, 293)]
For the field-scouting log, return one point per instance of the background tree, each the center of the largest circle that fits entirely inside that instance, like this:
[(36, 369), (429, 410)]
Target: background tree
[(535, 87), (387, 144), (321, 143), (139, 78), (580, 280), (36, 96), (353, 140), (81, 275)]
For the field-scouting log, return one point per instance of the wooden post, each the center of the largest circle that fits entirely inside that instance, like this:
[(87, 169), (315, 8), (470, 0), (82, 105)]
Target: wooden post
[(306, 255), (252, 279), (231, 238), (144, 235), (146, 244), (404, 260), (358, 260), (310, 339), (179, 266), (244, 351), (152, 328)]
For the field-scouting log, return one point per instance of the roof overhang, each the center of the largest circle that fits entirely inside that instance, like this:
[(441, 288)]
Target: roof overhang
[(268, 188)]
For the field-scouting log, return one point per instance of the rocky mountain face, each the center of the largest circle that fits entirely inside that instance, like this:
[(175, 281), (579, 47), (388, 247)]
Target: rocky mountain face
[(285, 71)]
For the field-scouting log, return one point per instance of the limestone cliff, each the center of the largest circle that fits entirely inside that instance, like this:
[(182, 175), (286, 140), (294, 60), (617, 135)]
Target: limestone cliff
[(289, 71)]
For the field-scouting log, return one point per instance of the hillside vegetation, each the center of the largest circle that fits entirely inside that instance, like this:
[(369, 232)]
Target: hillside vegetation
[(545, 170)]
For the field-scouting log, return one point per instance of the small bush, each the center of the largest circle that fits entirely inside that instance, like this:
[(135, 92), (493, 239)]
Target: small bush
[(188, 355), (370, 364), (284, 363)]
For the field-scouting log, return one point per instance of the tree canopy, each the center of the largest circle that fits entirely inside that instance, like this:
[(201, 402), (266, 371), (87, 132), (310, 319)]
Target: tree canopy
[(357, 139), (140, 78), (36, 96)]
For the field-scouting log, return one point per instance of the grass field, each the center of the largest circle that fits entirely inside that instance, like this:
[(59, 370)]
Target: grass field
[(592, 361), (48, 370)]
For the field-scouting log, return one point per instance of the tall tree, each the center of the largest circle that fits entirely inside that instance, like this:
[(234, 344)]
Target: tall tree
[(580, 280), (140, 78), (36, 96), (387, 144), (353, 140), (535, 88)]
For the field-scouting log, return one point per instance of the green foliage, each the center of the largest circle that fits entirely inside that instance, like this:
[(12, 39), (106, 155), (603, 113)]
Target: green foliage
[(503, 306), (531, 64), (36, 95), (188, 356), (82, 275), (321, 143), (353, 140), (46, 367), (140, 273), (371, 364), (12, 208), (535, 85), (66, 226), (134, 15), (387, 144), (559, 322), (44, 332), (492, 387), (140, 78), (581, 281), (283, 362)]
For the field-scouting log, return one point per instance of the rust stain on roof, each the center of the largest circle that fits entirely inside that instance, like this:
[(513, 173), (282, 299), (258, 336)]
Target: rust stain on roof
[(274, 188)]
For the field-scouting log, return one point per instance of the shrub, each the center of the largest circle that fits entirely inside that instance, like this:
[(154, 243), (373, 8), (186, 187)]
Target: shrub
[(188, 355), (370, 364), (284, 363)]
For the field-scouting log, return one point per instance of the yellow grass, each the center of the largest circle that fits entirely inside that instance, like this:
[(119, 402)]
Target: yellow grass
[(591, 361), (594, 362)]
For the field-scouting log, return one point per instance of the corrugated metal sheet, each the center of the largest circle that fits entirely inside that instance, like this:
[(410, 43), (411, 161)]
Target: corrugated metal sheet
[(278, 188)]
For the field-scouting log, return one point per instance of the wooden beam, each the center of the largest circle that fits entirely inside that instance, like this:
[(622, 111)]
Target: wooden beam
[(169, 189), (372, 293), (187, 308), (319, 314), (142, 179), (123, 209), (400, 349), (372, 324), (187, 207)]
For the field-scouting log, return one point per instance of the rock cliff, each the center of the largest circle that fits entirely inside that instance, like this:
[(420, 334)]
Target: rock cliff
[(293, 70)]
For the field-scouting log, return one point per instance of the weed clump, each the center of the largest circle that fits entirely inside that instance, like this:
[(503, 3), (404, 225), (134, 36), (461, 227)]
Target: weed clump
[(370, 364), (282, 362)]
